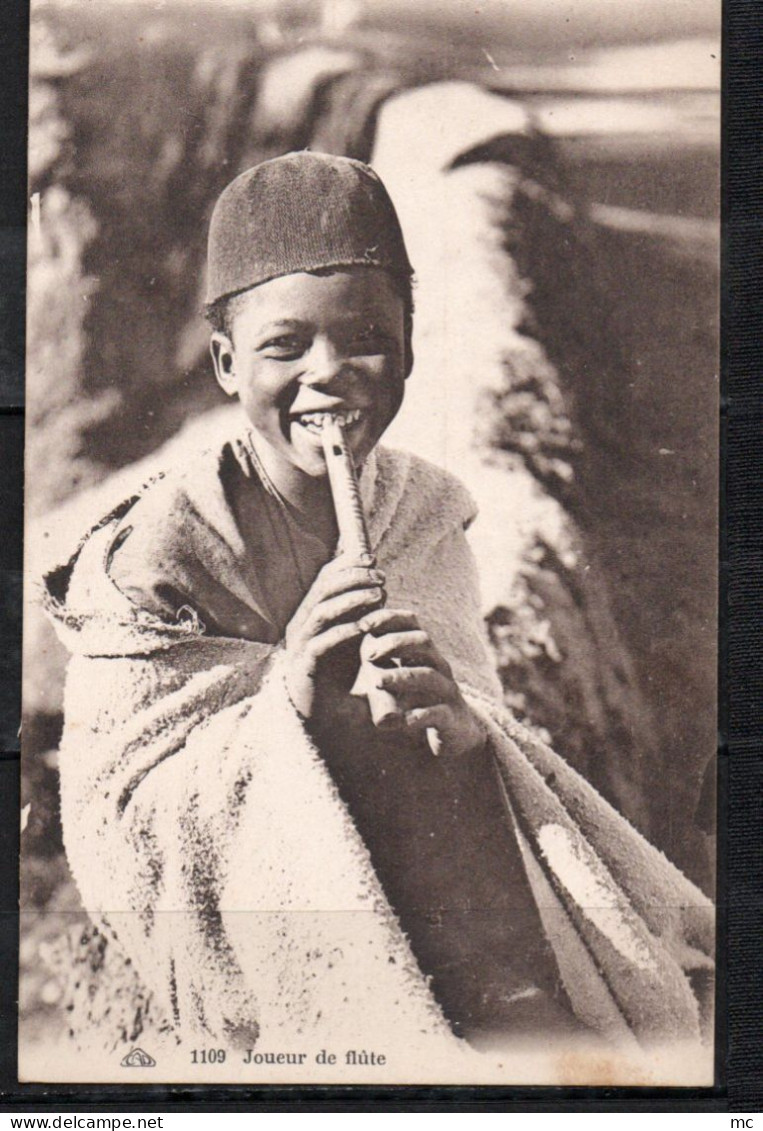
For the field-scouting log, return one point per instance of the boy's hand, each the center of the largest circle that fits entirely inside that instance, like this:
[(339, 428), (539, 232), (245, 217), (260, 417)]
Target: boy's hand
[(423, 686), (323, 629)]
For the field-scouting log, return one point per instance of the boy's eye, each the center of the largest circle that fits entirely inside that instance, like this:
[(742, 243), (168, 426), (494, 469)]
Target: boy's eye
[(283, 347)]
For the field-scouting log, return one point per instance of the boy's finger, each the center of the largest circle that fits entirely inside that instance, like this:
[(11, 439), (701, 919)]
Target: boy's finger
[(422, 718), (340, 581), (348, 561), (343, 607), (415, 687), (413, 648), (367, 560), (389, 620), (380, 648), (332, 638)]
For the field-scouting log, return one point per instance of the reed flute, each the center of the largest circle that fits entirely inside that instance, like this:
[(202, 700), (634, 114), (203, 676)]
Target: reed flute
[(353, 539)]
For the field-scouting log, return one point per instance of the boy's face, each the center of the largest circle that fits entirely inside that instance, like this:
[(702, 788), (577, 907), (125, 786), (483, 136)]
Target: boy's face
[(306, 344)]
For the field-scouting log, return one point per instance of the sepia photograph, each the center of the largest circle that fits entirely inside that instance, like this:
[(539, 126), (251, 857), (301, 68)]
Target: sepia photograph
[(370, 583)]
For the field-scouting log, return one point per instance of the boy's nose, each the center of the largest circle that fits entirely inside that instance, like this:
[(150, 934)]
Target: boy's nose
[(326, 364)]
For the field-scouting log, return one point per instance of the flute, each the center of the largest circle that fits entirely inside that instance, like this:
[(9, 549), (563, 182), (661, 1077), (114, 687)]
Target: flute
[(353, 539)]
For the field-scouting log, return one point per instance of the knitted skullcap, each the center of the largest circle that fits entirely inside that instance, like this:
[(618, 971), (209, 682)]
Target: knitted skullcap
[(301, 212)]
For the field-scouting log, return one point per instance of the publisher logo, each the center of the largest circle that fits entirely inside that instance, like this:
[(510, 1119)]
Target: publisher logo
[(137, 1058)]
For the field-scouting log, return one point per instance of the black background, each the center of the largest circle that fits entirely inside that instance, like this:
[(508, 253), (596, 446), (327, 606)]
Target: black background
[(739, 1086)]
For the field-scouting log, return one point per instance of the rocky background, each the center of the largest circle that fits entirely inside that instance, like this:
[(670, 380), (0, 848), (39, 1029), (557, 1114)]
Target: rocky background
[(573, 173)]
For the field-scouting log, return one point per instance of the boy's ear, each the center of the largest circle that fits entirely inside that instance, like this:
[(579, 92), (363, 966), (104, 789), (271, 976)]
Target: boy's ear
[(224, 361)]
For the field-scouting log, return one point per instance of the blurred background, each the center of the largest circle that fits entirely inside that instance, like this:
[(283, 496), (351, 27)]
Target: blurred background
[(555, 166)]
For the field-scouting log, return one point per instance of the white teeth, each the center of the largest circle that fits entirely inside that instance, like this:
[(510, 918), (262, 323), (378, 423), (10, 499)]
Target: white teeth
[(315, 420)]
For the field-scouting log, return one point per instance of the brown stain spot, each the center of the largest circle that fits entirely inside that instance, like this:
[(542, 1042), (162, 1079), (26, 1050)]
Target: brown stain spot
[(600, 1069)]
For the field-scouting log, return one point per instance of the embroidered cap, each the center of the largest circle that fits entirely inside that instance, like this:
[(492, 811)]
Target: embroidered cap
[(301, 212)]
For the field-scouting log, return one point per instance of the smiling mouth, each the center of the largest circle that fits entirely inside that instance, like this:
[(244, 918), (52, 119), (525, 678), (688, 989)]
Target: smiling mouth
[(314, 421)]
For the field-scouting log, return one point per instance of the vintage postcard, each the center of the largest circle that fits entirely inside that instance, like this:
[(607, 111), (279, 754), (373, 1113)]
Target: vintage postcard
[(371, 528)]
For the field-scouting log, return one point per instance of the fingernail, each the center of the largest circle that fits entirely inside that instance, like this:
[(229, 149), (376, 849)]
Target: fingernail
[(376, 595), (378, 576), (368, 559)]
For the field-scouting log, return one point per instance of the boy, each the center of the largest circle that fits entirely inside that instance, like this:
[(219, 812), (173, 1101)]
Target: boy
[(332, 874)]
